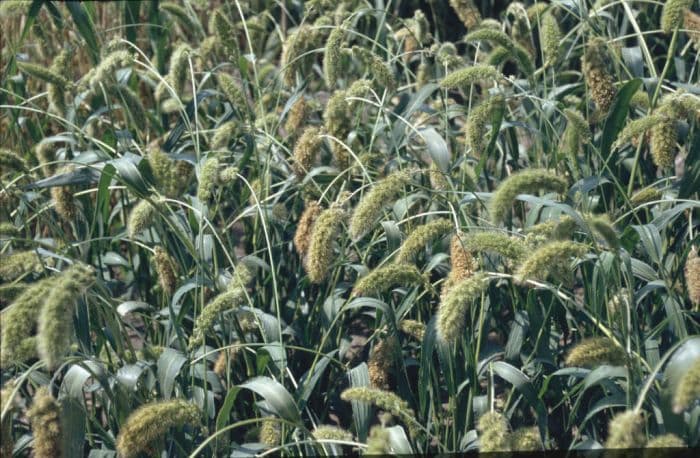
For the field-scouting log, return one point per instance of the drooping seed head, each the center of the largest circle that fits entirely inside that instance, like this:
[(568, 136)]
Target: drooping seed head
[(626, 430), (389, 276), (553, 258), (297, 116), (526, 181), (204, 323), (302, 236), (370, 207), (378, 441), (634, 130), (226, 34), (551, 37), (270, 433), (294, 47), (688, 390), (332, 56), (141, 218), (171, 176), (45, 418), (668, 440), (55, 324), (467, 12), (692, 278), (149, 423), (64, 204), (382, 361), (380, 71), (452, 312), (471, 75), (413, 328), (598, 79), (306, 150), (329, 432), (494, 432), (17, 323), (19, 263), (691, 22), (478, 120), (526, 440), (232, 90), (420, 237), (511, 248), (663, 142), (385, 400), (105, 71), (43, 73), (673, 14), (323, 235), (594, 352), (165, 268)]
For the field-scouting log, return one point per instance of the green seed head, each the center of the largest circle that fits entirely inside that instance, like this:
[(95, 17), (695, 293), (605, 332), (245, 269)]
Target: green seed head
[(45, 419), (208, 179), (526, 440), (332, 56), (378, 442), (688, 390), (413, 328), (494, 432), (149, 423), (320, 253), (104, 72), (141, 218), (55, 323), (452, 312), (479, 118), (467, 76), (370, 207), (204, 323), (226, 34), (385, 400), (551, 258), (165, 268), (634, 130), (511, 248), (594, 352), (672, 15), (306, 150), (668, 440), (384, 278), (526, 181), (172, 177), (43, 73), (626, 430), (381, 71), (329, 432), (663, 143), (302, 236), (551, 37), (270, 433), (420, 237), (692, 278), (18, 264)]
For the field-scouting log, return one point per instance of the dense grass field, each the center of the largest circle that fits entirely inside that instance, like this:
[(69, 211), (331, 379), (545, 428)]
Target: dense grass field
[(366, 226)]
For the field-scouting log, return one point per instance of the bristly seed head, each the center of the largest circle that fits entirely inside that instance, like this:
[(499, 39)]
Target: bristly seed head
[(594, 352)]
